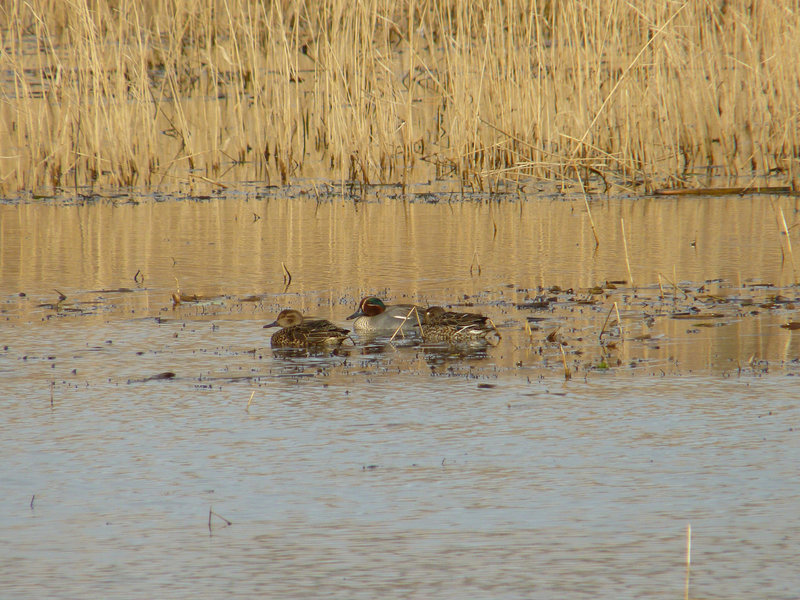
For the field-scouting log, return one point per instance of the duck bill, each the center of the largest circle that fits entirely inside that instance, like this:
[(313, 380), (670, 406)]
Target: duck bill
[(273, 324), (358, 313)]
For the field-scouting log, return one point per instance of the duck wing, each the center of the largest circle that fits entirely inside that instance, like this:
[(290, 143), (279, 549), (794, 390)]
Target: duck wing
[(459, 319), (321, 332)]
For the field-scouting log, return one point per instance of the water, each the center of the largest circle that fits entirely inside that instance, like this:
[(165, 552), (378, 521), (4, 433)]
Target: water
[(394, 470)]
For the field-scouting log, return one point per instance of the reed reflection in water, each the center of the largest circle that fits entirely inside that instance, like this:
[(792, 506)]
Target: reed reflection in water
[(235, 245)]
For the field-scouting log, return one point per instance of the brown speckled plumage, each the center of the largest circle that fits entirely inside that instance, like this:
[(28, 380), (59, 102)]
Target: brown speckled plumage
[(298, 332), (439, 325)]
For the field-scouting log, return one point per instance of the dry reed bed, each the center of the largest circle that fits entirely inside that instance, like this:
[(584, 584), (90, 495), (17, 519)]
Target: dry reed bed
[(170, 92)]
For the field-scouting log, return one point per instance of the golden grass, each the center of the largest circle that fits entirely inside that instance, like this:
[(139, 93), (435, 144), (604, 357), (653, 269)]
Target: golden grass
[(174, 92)]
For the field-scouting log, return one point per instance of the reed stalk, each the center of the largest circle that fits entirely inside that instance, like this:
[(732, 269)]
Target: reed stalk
[(688, 561), (567, 371), (625, 247)]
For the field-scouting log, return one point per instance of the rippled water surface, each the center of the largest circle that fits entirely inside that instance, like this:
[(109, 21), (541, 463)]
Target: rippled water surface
[(160, 450)]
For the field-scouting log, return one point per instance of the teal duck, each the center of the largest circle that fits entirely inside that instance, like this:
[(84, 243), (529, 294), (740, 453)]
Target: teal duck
[(440, 325), (298, 332), (373, 316)]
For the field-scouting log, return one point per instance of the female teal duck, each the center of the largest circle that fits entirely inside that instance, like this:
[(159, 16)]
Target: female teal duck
[(300, 333), (373, 316), (440, 325)]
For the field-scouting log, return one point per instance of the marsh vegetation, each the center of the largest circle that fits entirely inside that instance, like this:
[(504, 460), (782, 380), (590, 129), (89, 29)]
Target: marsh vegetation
[(198, 95)]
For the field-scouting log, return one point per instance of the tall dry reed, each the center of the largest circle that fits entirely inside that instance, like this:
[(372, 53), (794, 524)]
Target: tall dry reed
[(174, 93)]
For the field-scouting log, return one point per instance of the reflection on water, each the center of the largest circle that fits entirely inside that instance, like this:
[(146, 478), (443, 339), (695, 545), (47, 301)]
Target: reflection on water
[(716, 255), (393, 467), (236, 246)]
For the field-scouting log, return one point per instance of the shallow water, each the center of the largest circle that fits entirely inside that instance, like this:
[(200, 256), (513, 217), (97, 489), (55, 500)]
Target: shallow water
[(397, 470)]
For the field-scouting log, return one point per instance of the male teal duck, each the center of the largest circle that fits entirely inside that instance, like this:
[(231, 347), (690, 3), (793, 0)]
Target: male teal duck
[(440, 325), (373, 316), (298, 332)]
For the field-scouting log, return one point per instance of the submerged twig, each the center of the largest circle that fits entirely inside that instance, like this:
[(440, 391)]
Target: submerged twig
[(615, 307), (287, 276), (670, 281), (724, 191), (212, 513), (475, 261), (603, 328), (210, 181)]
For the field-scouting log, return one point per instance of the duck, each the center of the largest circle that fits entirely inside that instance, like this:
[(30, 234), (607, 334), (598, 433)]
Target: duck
[(440, 325), (373, 316), (298, 332)]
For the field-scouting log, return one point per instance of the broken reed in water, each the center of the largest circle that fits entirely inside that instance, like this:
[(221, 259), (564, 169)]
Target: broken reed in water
[(159, 93)]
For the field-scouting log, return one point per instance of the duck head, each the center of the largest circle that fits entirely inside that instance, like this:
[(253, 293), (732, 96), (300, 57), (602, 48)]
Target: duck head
[(369, 307), (433, 313), (287, 318)]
